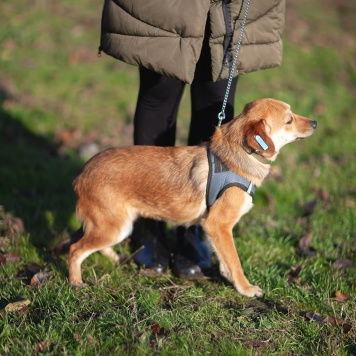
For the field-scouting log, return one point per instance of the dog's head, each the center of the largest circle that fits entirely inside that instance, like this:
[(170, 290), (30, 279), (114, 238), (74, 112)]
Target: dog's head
[(270, 124)]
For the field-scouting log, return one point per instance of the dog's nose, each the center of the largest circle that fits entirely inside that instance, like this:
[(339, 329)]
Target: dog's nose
[(314, 124)]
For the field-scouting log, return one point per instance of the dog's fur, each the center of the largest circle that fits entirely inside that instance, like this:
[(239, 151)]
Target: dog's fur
[(121, 184)]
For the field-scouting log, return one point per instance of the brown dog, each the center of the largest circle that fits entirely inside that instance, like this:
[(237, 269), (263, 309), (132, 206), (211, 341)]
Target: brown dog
[(121, 184)]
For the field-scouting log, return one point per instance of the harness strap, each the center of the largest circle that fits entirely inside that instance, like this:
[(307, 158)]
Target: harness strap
[(221, 178)]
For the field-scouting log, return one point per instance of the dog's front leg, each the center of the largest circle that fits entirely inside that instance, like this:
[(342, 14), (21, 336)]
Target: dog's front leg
[(218, 225)]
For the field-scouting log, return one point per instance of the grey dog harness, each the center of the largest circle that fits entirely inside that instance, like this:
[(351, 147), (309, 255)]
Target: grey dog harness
[(221, 178)]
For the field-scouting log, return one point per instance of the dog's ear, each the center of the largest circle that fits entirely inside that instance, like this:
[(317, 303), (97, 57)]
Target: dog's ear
[(256, 138)]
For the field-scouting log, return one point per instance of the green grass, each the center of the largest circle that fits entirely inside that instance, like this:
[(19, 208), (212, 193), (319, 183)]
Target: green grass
[(52, 84)]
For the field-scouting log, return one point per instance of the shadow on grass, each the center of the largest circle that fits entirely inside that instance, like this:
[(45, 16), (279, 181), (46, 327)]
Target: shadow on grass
[(35, 182)]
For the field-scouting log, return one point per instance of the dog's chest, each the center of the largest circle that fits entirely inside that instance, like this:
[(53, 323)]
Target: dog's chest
[(221, 178), (246, 205)]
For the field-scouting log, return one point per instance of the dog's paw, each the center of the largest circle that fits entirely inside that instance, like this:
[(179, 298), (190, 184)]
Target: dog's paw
[(78, 285), (252, 291)]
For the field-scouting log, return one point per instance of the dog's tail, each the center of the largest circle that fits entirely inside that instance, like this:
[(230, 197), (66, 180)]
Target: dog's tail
[(63, 246)]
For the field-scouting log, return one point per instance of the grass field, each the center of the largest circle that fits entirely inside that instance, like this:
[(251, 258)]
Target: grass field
[(59, 102)]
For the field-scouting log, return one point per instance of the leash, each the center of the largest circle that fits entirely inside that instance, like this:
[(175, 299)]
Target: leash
[(221, 115)]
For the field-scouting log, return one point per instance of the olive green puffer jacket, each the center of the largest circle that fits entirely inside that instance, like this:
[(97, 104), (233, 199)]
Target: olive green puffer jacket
[(167, 36)]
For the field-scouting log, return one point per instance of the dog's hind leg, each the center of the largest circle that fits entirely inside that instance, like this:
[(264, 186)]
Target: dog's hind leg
[(97, 237), (109, 252)]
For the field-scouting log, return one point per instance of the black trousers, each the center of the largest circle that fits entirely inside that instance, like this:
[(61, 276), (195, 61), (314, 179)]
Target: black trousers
[(159, 97), (157, 107)]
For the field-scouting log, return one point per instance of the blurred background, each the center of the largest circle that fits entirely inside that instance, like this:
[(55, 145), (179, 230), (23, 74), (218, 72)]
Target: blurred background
[(60, 103)]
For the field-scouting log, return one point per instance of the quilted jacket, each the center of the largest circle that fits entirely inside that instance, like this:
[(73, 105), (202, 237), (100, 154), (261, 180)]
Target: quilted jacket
[(167, 36)]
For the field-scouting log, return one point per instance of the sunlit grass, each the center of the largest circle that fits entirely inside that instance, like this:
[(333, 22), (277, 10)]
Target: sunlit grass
[(51, 81)]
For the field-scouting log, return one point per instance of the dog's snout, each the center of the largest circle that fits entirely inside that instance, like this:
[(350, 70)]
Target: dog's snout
[(314, 124)]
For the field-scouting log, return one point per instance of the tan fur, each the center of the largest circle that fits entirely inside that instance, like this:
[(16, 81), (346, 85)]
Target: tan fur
[(119, 185)]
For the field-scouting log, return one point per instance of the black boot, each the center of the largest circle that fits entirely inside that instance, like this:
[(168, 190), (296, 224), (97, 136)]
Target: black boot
[(148, 237), (193, 257)]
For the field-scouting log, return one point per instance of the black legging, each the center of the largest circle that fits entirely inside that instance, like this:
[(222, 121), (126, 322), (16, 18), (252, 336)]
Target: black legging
[(159, 97), (157, 107)]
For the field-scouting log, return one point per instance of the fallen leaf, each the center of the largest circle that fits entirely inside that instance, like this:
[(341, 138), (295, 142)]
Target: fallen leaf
[(23, 309), (215, 335), (341, 297), (77, 338), (39, 278), (323, 194), (12, 257), (260, 345), (305, 245), (42, 346), (4, 241), (91, 340), (15, 225), (309, 207), (18, 305), (33, 268), (314, 316), (345, 263), (156, 328), (305, 242), (334, 321), (293, 274), (346, 328), (2, 259), (143, 336)]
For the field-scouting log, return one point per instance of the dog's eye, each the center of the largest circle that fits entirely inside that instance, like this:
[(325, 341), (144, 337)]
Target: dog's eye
[(290, 121)]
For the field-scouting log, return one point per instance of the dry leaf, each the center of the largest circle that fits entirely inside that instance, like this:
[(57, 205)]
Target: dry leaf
[(260, 345), (92, 340), (305, 245), (343, 264), (143, 336), (293, 274), (156, 328), (341, 297), (215, 335), (12, 257), (2, 259), (33, 268), (15, 225), (309, 207), (4, 241), (42, 346), (18, 305), (346, 328), (334, 321), (305, 242), (323, 195), (39, 278), (314, 316), (77, 338)]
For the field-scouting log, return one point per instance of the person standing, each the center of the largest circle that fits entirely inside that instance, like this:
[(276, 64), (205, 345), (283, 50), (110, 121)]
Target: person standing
[(175, 43)]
